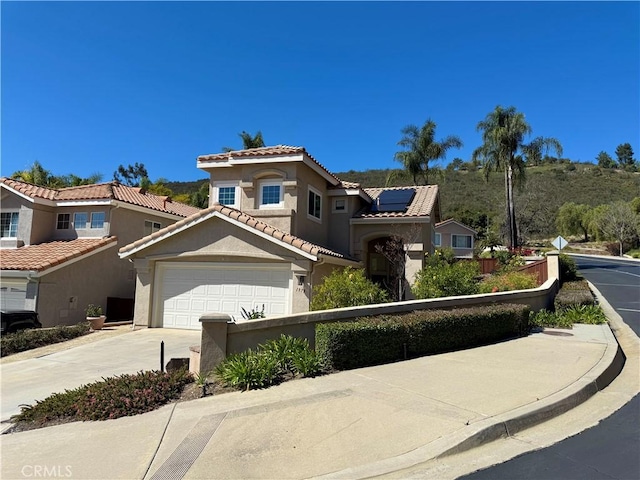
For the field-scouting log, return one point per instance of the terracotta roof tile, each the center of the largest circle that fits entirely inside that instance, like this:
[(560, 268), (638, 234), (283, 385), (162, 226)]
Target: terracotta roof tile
[(263, 152), (46, 255), (248, 220), (421, 205), (344, 184), (33, 191), (103, 191)]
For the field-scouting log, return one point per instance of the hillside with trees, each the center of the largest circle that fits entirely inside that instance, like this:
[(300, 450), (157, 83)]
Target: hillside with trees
[(466, 196)]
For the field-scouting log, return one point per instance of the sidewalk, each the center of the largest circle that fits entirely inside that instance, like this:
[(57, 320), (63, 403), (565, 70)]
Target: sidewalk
[(353, 424)]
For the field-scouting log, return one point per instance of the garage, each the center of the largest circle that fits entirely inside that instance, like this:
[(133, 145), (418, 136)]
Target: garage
[(188, 290), (13, 294)]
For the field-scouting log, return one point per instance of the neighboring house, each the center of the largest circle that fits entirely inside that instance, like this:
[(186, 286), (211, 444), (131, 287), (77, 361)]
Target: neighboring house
[(455, 235), (278, 222), (59, 247)]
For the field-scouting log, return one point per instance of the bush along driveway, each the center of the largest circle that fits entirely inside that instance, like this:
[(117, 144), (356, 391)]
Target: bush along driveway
[(26, 381)]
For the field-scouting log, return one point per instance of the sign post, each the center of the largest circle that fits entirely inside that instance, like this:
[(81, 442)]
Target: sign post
[(559, 243)]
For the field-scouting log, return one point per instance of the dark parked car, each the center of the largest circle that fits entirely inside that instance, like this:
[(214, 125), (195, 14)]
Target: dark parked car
[(14, 320)]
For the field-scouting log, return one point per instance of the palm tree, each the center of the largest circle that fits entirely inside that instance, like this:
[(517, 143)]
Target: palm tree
[(420, 148), (38, 175), (248, 141), (503, 132)]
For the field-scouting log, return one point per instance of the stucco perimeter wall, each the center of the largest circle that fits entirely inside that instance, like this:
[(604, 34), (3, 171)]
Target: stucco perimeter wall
[(221, 338)]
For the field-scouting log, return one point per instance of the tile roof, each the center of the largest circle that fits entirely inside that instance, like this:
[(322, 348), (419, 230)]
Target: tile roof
[(46, 255), (422, 204), (263, 152), (239, 216), (344, 184), (103, 191)]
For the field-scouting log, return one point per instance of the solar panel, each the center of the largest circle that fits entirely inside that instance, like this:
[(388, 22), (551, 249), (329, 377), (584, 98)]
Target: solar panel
[(394, 200)]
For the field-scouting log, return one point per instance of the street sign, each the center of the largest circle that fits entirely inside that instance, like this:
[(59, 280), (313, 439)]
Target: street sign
[(559, 243)]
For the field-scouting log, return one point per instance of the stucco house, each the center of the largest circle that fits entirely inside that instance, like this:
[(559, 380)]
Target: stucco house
[(59, 247), (456, 235), (277, 223)]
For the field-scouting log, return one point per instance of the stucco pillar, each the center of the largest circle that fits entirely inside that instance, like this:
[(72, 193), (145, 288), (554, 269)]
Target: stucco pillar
[(213, 343), (553, 265), (142, 305)]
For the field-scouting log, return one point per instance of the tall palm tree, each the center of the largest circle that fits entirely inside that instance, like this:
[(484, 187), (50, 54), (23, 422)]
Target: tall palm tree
[(421, 147), (248, 141), (503, 132)]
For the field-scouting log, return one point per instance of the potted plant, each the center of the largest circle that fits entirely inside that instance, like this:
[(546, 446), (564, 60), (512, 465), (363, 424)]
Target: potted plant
[(95, 316)]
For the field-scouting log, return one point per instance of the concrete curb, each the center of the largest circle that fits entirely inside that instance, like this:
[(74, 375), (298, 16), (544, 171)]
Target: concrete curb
[(506, 424), (603, 257)]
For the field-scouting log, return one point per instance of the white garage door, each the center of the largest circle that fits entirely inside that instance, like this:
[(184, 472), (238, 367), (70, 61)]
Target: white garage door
[(190, 290), (13, 296)]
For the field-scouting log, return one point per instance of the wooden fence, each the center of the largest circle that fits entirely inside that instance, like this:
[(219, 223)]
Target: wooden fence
[(539, 269)]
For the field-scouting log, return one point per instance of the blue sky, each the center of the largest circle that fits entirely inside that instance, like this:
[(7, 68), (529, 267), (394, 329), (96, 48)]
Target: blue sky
[(87, 86)]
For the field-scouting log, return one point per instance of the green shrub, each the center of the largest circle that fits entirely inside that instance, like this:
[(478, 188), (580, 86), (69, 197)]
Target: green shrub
[(446, 279), (568, 268), (307, 363), (348, 287), (509, 261), (253, 314), (113, 397), (582, 285), (388, 338), (284, 350), (573, 294), (588, 314), (23, 340), (505, 282), (93, 310), (440, 256), (269, 364), (545, 318), (248, 369)]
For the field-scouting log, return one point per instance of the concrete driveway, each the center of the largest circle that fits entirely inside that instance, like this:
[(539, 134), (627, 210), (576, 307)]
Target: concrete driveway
[(25, 381)]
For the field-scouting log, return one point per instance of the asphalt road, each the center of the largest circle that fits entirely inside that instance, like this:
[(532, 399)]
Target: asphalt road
[(610, 450)]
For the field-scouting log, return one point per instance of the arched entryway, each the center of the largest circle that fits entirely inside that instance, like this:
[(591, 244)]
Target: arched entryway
[(385, 265)]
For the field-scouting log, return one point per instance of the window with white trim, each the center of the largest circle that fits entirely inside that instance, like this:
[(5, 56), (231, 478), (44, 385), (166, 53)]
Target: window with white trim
[(97, 219), (461, 241), (80, 220), (271, 194), (64, 221), (150, 227), (314, 206), (9, 224), (227, 194), (438, 240)]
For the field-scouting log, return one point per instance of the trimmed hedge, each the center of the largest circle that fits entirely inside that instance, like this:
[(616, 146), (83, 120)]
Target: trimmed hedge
[(573, 294), (23, 340), (389, 338), (568, 268)]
